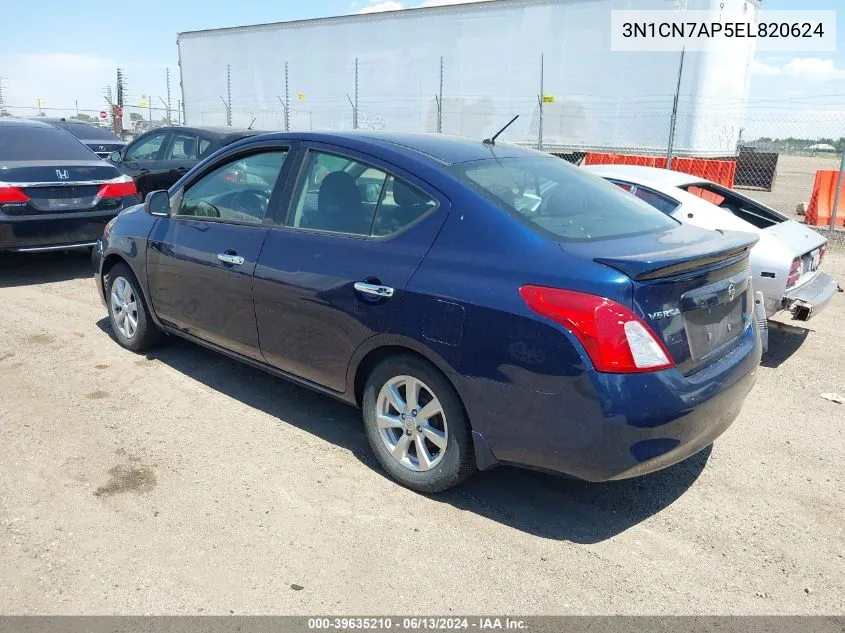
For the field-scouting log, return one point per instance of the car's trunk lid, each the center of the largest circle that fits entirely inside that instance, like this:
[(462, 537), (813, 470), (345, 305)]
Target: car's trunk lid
[(58, 186), (802, 243), (692, 287)]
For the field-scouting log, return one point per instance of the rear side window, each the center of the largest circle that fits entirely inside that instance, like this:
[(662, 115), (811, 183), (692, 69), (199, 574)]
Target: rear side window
[(341, 195), (26, 142), (183, 147), (560, 200)]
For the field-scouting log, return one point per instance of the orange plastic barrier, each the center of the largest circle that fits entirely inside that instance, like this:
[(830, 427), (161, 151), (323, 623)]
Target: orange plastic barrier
[(821, 202), (718, 171)]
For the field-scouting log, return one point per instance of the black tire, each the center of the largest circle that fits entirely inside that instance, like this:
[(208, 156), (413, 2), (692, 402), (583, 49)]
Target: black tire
[(145, 334), (458, 459)]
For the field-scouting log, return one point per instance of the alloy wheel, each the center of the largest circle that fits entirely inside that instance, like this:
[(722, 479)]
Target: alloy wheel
[(412, 423), (124, 308)]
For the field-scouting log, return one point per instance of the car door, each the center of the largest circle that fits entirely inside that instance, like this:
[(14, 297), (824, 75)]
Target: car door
[(142, 160), (332, 273), (202, 258), (181, 154)]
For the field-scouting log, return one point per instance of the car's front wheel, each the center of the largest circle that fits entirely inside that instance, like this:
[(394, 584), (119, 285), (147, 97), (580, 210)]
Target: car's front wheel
[(416, 425), (128, 313)]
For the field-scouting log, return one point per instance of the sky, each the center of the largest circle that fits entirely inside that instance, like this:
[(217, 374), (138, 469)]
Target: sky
[(67, 57)]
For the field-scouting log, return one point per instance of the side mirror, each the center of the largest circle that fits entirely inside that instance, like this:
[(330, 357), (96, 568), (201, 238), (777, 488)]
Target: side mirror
[(158, 203), (114, 157)]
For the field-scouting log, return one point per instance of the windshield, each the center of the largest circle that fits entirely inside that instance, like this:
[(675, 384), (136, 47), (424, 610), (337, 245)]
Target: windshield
[(30, 142), (87, 132), (561, 200)]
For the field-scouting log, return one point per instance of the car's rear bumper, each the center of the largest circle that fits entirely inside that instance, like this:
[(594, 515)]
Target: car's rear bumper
[(34, 233), (613, 426), (811, 298)]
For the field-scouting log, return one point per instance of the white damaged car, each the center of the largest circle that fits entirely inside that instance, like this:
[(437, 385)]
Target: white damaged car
[(785, 263)]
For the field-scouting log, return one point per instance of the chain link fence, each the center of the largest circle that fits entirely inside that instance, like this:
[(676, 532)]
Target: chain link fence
[(777, 146), (136, 119)]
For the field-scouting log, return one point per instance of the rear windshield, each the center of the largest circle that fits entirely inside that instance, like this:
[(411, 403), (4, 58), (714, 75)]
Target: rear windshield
[(27, 142), (87, 132), (560, 200)]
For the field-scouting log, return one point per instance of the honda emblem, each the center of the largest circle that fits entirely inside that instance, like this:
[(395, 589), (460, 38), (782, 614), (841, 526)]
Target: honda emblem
[(62, 174)]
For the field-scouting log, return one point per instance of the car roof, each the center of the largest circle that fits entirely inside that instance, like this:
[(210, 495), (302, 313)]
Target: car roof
[(214, 130), (644, 175), (24, 123), (442, 148)]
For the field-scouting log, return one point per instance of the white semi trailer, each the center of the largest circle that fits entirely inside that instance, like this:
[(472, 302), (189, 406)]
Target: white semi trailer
[(466, 69)]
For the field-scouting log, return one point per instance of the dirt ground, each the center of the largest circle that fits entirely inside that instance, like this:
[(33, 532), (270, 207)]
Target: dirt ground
[(184, 483)]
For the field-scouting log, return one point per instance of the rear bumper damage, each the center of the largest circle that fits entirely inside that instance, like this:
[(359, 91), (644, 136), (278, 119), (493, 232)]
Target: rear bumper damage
[(811, 298)]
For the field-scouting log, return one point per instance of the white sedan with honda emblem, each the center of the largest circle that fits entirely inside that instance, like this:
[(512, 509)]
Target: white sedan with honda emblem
[(786, 261)]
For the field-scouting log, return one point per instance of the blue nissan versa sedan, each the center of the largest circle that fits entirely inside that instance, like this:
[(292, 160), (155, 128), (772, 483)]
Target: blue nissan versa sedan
[(481, 303)]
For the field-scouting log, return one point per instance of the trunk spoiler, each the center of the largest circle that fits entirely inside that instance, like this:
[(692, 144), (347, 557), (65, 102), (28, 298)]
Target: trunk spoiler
[(681, 259)]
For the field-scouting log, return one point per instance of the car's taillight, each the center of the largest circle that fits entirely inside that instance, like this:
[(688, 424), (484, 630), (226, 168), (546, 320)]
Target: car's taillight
[(794, 272), (119, 187), (616, 339), (822, 253), (10, 193)]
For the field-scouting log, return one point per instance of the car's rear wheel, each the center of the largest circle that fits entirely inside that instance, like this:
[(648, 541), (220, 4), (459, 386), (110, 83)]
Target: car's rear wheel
[(128, 313), (416, 425)]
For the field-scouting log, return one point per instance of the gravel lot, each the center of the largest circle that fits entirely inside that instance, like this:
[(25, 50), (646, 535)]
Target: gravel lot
[(183, 482)]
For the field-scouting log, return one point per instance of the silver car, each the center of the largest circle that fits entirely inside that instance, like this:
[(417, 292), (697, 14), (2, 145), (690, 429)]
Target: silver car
[(785, 263)]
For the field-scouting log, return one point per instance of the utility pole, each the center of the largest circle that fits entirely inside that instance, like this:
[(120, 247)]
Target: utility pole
[(117, 111), (287, 100), (355, 107), (440, 100), (838, 188), (228, 95), (167, 71), (542, 97), (674, 119)]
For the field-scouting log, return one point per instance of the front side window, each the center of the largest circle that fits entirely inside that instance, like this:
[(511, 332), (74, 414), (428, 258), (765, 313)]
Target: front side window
[(342, 195), (147, 148), (183, 147), (238, 191), (560, 200)]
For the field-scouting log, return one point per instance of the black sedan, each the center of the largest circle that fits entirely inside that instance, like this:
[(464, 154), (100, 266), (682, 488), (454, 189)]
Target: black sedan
[(157, 159), (98, 139), (54, 193)]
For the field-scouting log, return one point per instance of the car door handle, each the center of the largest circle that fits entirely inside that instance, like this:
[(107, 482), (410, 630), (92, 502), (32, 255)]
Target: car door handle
[(229, 258), (374, 290)]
